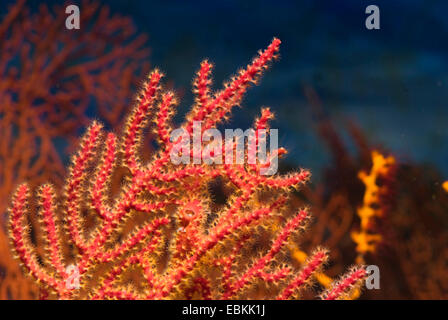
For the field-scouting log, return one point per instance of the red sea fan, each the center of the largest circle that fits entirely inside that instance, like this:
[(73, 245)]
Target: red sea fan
[(51, 78), (185, 248)]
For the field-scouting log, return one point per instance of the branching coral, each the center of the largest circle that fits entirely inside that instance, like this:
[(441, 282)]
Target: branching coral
[(412, 255), (374, 203), (184, 249), (49, 77), (378, 188)]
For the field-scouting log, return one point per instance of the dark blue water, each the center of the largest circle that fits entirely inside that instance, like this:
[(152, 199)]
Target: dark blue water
[(393, 82)]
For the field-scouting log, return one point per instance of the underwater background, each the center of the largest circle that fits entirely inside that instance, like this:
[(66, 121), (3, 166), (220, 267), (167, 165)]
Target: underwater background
[(392, 82), (338, 91)]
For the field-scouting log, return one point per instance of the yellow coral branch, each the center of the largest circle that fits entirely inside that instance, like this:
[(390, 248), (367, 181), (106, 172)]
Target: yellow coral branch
[(445, 186), (372, 204)]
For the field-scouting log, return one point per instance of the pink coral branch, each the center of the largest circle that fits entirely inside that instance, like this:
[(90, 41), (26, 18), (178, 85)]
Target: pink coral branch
[(77, 176), (137, 119), (347, 283), (104, 173), (310, 268), (49, 215), (164, 115), (21, 243), (202, 85), (261, 263)]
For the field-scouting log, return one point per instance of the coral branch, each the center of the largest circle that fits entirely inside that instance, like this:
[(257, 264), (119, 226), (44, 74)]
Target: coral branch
[(49, 216), (137, 120), (104, 173), (310, 268), (345, 285), (20, 241), (78, 174)]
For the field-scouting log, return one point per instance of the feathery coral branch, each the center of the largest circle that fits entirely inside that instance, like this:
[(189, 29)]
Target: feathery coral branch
[(349, 282)]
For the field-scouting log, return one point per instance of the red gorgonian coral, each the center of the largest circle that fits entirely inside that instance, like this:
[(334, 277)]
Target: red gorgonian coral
[(189, 246), (51, 81)]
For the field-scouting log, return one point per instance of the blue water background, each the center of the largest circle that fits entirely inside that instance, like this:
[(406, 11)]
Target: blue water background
[(392, 82)]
